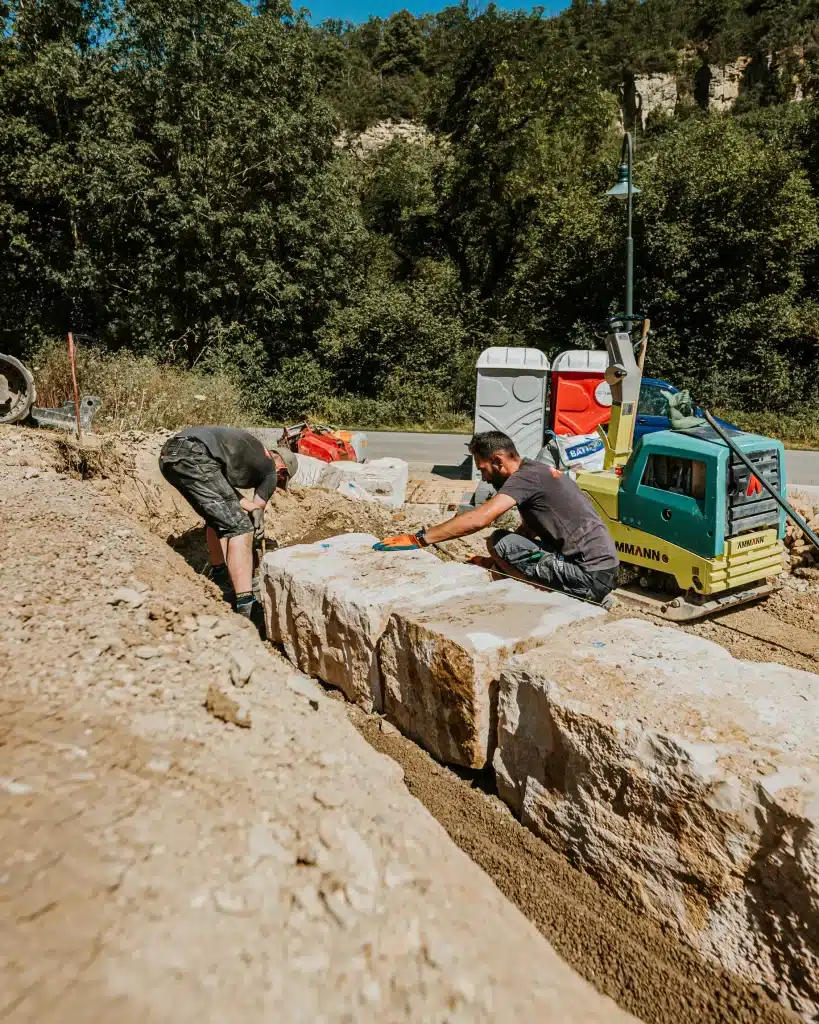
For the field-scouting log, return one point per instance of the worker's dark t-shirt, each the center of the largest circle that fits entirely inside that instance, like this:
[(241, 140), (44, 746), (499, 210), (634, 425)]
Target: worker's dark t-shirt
[(241, 456), (559, 514)]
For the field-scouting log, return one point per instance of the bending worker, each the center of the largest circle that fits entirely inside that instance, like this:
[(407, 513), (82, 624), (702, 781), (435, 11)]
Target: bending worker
[(562, 542), (207, 465)]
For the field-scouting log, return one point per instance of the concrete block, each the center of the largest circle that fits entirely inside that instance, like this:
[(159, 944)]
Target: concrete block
[(385, 480), (686, 781), (440, 662), (327, 604)]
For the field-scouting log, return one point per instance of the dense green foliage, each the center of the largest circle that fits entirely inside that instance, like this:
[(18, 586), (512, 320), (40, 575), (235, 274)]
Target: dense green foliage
[(173, 186)]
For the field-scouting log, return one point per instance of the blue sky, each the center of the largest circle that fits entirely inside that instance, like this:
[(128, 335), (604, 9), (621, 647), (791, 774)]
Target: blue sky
[(360, 10)]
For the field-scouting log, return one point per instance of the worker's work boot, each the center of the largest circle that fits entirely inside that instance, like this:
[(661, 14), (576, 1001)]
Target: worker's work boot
[(250, 608)]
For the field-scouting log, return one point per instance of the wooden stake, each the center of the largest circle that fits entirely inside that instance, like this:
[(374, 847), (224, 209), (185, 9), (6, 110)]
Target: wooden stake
[(74, 379)]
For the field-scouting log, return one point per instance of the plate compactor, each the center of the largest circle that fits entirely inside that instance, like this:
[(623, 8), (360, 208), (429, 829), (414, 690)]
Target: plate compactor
[(692, 511)]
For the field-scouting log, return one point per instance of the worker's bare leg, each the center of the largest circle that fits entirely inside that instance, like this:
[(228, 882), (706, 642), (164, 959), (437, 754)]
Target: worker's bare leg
[(240, 562), (216, 547)]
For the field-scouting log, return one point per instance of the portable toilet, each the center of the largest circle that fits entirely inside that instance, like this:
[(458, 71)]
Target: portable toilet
[(511, 396), (579, 397)]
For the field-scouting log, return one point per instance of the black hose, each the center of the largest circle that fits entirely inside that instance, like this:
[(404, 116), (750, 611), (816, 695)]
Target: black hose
[(800, 522)]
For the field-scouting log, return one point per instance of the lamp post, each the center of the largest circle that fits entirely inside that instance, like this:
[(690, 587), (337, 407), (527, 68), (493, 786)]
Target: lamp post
[(624, 189)]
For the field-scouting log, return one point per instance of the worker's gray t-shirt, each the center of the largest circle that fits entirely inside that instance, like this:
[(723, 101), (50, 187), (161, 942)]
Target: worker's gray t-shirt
[(559, 514), (241, 455)]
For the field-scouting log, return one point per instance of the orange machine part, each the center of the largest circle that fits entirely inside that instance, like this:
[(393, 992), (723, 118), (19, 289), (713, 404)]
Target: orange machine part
[(325, 446), (573, 407)]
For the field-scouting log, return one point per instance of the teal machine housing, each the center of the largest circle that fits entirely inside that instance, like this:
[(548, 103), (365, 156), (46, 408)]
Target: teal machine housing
[(690, 489)]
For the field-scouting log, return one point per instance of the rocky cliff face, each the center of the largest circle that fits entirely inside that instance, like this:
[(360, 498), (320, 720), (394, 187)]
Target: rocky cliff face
[(643, 94), (382, 134), (715, 87)]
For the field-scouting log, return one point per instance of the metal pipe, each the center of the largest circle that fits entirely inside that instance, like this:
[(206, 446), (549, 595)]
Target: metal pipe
[(628, 154), (786, 508)]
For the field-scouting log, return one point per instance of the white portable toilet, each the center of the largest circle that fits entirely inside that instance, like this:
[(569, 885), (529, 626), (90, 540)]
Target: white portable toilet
[(511, 396)]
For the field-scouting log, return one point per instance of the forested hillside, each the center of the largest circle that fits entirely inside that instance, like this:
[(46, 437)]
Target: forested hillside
[(181, 179)]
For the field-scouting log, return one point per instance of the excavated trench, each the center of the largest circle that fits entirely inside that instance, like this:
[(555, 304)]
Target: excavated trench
[(645, 968)]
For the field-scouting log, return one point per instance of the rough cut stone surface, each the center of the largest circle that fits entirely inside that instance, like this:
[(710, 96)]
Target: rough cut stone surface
[(327, 604), (685, 780), (383, 480), (440, 662), (725, 84), (382, 134), (646, 93)]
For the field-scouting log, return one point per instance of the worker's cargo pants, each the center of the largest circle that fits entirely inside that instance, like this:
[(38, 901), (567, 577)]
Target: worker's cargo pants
[(189, 467), (544, 565)]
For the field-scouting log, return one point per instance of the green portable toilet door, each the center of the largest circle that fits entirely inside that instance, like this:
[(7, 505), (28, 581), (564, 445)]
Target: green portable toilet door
[(670, 489)]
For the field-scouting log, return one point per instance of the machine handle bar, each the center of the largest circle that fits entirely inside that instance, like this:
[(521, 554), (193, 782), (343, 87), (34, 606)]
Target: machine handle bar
[(786, 508)]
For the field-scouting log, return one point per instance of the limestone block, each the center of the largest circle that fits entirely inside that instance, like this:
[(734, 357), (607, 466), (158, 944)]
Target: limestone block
[(384, 480), (308, 473), (327, 604), (440, 662), (685, 780)]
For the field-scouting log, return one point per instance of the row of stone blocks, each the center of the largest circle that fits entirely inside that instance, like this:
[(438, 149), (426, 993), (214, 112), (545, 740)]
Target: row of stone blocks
[(684, 780)]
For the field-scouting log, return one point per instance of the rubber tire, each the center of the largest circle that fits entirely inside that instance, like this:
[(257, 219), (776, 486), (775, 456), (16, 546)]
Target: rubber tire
[(22, 409)]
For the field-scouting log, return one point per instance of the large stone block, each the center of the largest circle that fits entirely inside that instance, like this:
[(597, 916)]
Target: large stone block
[(440, 662), (685, 780), (382, 480), (327, 604)]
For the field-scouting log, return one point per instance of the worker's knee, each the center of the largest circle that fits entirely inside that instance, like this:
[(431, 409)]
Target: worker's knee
[(495, 540)]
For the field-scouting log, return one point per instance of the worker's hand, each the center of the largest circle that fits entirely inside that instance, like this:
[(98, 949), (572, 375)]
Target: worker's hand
[(403, 542), (257, 518), (482, 561)]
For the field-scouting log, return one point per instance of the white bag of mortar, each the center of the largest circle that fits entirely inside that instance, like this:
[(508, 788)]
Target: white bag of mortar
[(573, 452)]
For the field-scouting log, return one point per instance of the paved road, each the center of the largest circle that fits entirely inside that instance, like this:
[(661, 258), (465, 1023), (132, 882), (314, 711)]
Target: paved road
[(450, 450), (447, 451)]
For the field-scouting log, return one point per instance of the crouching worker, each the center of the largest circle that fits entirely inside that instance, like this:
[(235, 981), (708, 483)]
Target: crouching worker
[(562, 542), (207, 465)]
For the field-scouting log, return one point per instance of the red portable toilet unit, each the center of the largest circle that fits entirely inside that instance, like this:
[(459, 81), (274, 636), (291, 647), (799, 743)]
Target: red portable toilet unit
[(580, 398)]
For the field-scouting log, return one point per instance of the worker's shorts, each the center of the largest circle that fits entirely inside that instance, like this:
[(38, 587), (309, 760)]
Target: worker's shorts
[(189, 467), (543, 565)]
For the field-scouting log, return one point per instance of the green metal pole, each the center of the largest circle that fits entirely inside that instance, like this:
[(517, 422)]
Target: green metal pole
[(627, 152)]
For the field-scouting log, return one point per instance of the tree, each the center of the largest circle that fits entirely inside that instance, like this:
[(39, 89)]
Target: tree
[(728, 229)]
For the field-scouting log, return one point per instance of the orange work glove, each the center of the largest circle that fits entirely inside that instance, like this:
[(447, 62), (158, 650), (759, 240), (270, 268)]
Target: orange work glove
[(403, 542)]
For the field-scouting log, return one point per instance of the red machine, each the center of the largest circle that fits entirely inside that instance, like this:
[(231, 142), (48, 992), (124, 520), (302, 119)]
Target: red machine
[(319, 442)]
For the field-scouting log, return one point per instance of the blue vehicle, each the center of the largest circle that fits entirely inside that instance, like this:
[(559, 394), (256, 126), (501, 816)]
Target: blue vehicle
[(652, 408)]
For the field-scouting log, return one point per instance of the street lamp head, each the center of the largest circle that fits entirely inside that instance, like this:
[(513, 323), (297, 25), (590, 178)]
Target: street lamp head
[(620, 190)]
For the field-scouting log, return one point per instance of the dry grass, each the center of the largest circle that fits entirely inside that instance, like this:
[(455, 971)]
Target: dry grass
[(349, 412), (137, 393), (798, 429)]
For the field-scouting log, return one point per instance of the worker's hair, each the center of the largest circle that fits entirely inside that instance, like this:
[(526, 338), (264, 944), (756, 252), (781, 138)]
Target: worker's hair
[(491, 442)]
